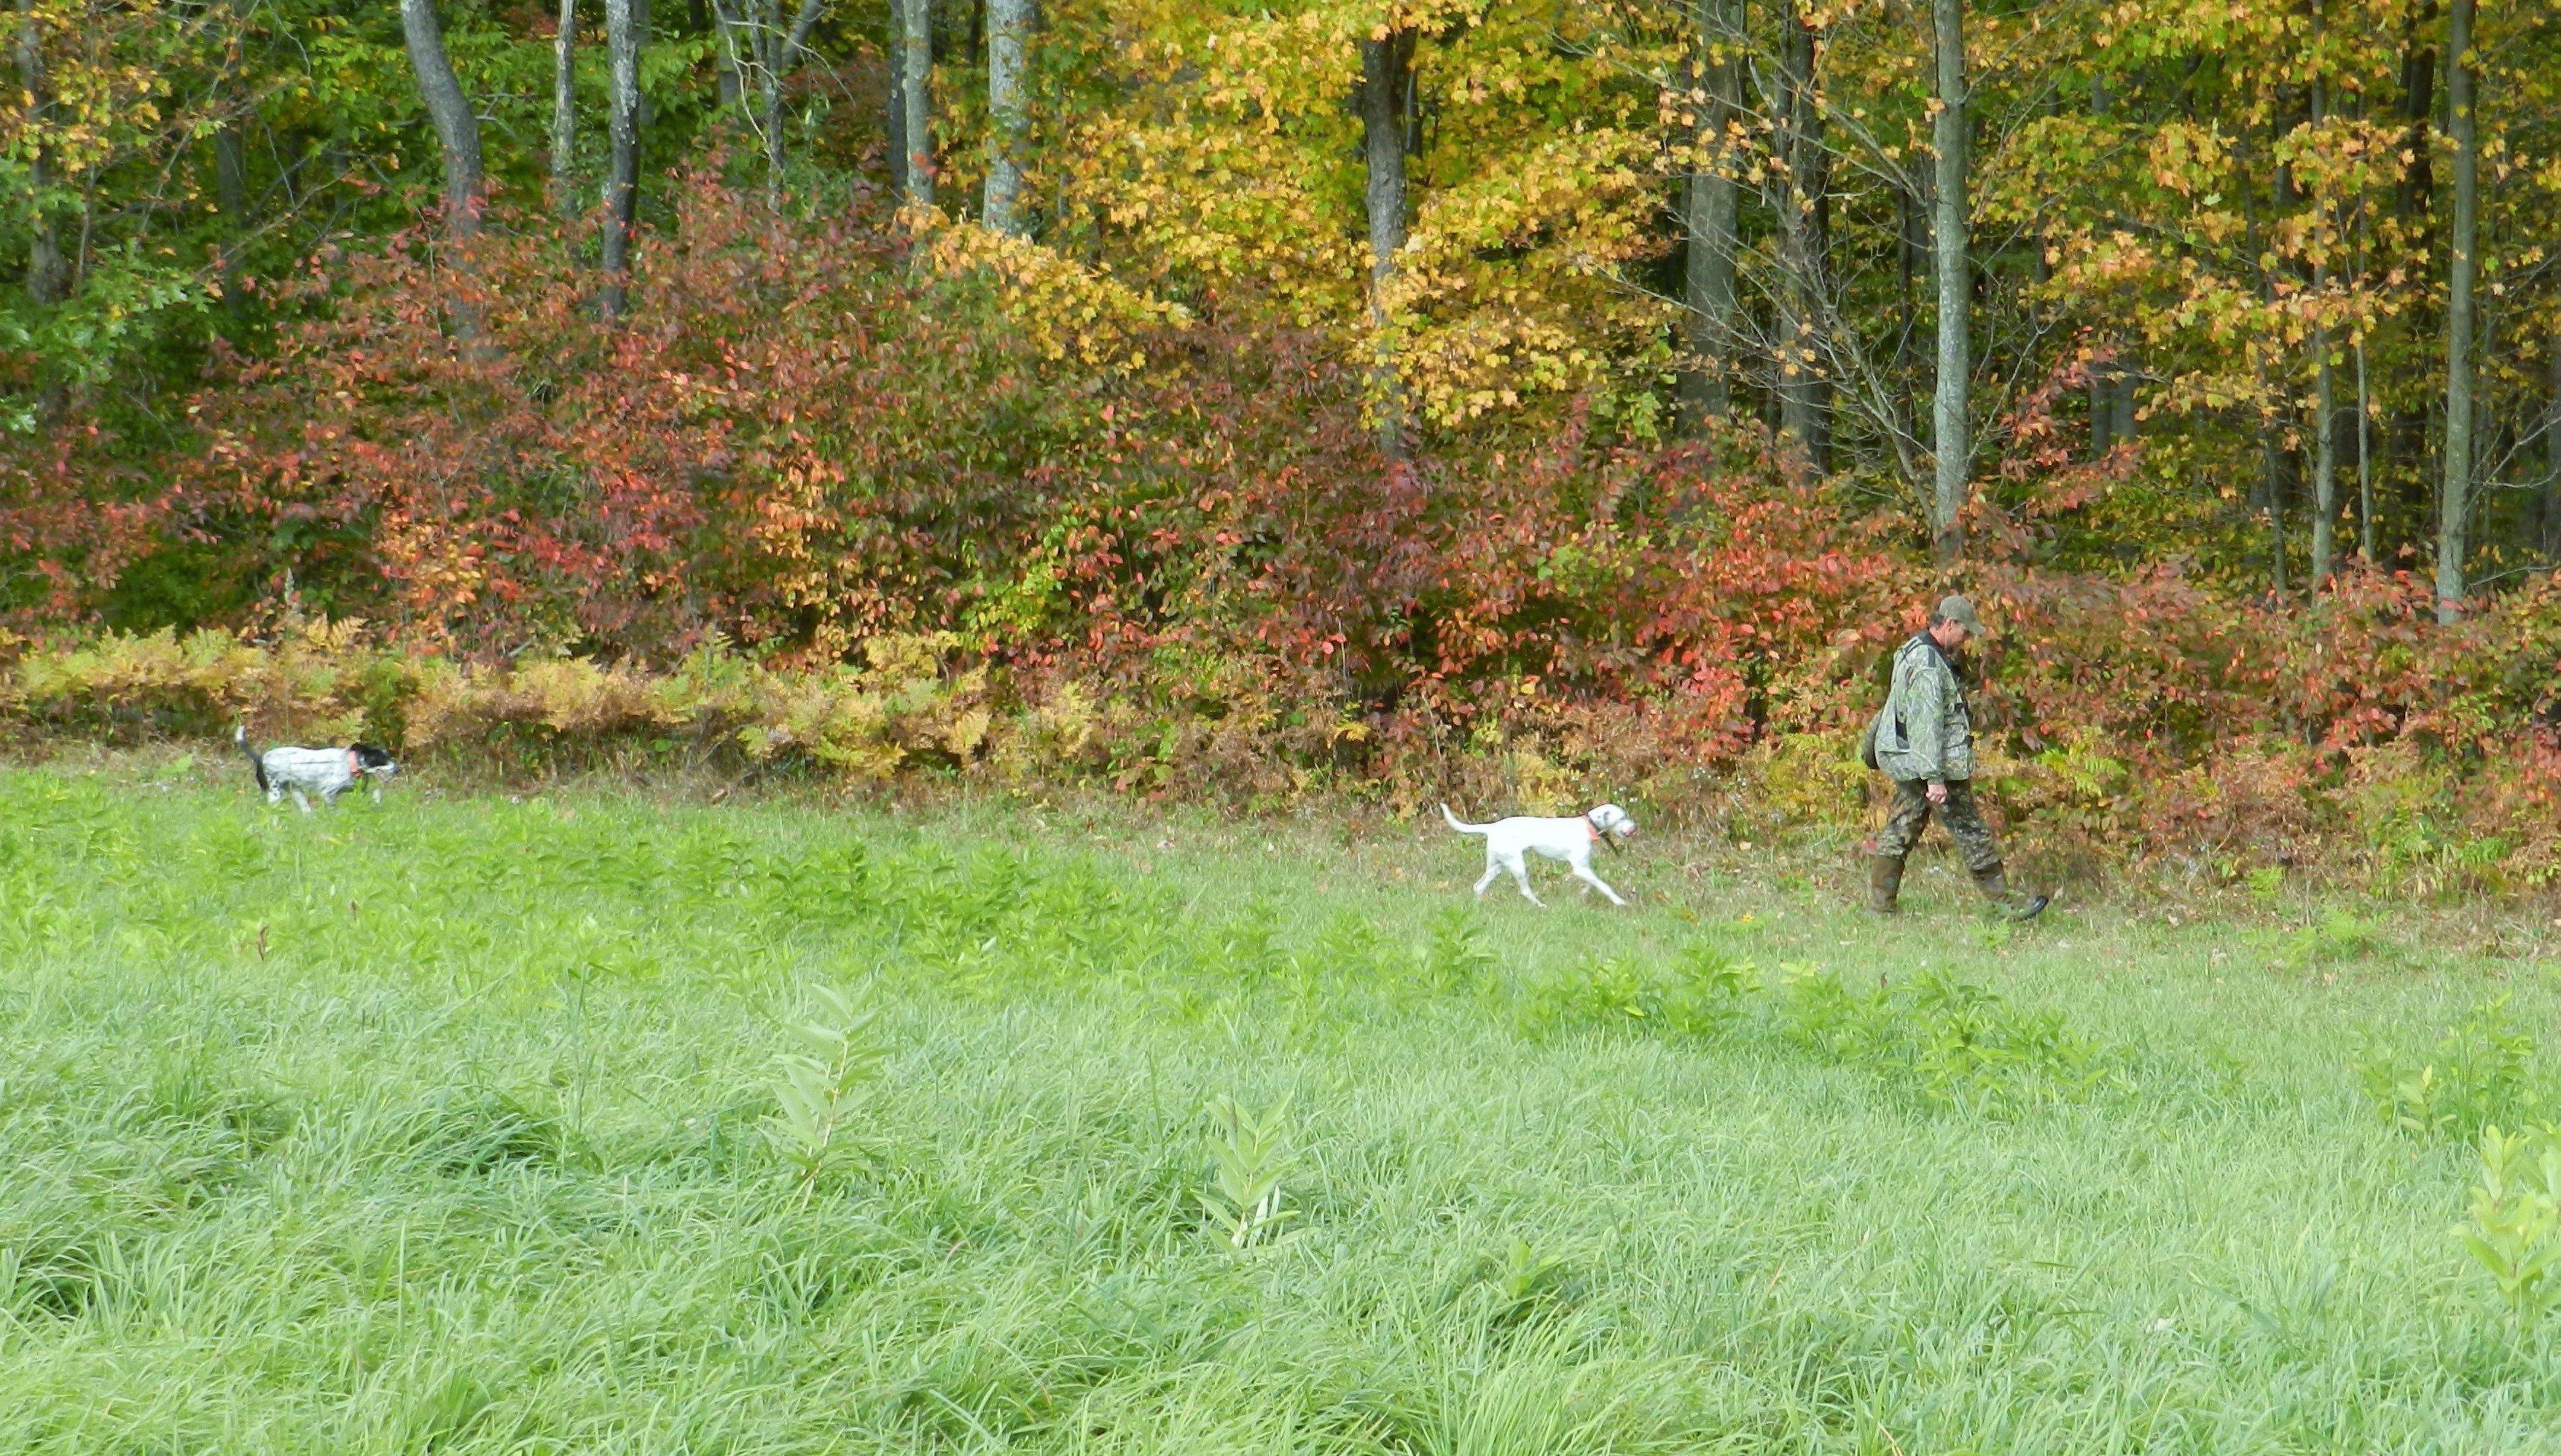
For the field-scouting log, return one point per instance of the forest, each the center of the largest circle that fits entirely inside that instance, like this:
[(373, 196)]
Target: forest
[(1346, 390)]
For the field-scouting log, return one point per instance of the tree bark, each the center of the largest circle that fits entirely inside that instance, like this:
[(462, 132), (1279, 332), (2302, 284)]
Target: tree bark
[(1804, 218), (564, 112), (2325, 454), (47, 277), (2103, 413), (623, 175), (726, 80), (457, 127), (2552, 451), (2364, 459), (1951, 447), (231, 160), (2415, 195), (1009, 24), (916, 96), (2402, 457), (2326, 416), (2271, 493), (894, 110), (2453, 499), (1386, 106), (230, 187), (1713, 208), (777, 56)]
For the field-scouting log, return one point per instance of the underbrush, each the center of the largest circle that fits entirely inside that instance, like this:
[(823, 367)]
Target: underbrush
[(939, 708)]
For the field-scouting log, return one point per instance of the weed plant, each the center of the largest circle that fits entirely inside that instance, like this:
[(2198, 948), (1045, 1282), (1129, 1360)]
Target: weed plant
[(2481, 1073), (595, 1125)]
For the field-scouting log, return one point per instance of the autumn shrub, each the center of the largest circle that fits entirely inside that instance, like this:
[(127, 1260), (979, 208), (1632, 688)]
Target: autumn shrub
[(864, 501)]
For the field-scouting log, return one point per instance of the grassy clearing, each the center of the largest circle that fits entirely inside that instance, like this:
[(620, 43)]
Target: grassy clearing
[(466, 1125)]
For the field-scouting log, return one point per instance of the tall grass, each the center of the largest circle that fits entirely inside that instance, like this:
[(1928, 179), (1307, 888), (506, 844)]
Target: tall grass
[(599, 1124)]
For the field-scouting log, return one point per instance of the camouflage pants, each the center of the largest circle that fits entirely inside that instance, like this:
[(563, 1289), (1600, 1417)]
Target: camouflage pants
[(1911, 813)]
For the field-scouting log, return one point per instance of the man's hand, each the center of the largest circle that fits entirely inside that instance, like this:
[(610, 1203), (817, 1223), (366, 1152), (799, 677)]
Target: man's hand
[(1938, 792)]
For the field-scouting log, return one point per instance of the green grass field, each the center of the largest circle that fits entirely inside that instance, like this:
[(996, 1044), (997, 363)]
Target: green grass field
[(456, 1124)]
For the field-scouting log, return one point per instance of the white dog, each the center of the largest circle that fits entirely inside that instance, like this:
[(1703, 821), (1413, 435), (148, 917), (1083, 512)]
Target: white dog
[(327, 773), (1509, 843)]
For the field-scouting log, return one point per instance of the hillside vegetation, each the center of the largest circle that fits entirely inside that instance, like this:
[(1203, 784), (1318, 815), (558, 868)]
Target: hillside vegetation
[(1405, 396)]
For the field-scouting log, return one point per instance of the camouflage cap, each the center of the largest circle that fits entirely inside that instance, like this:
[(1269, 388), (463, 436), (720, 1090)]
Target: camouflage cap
[(1960, 611)]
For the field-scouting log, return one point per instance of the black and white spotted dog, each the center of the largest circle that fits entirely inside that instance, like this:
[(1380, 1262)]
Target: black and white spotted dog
[(327, 773)]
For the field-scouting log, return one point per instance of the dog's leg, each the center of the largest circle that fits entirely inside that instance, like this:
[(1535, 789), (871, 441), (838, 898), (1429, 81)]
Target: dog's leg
[(1583, 871), (375, 787), (1519, 865), (1493, 868), (300, 802), (275, 795)]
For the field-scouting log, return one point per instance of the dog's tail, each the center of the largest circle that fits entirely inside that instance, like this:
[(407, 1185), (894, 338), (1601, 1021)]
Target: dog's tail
[(1462, 828), (257, 765)]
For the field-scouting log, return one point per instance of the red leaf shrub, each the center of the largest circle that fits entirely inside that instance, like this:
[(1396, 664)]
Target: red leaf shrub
[(1197, 576)]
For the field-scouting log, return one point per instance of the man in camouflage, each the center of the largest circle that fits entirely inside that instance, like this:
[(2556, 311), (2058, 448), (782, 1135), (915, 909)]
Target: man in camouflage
[(1924, 741)]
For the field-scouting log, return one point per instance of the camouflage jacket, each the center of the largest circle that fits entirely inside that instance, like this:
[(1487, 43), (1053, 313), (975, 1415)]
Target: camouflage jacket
[(1925, 730)]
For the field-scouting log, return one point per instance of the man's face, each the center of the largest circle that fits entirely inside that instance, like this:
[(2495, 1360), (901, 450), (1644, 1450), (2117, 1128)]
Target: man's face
[(1950, 636)]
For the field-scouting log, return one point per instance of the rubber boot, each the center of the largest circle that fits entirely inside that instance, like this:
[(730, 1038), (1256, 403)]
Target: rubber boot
[(1994, 883), (1884, 882)]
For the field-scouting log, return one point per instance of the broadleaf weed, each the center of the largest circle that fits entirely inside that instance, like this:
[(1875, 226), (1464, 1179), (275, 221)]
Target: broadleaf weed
[(1454, 955), (1249, 1154), (2514, 1231), (816, 1088), (2481, 1071)]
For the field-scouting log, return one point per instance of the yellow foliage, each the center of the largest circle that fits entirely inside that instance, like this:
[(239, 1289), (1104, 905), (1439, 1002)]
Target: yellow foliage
[(1811, 778), (1063, 306), (1544, 786)]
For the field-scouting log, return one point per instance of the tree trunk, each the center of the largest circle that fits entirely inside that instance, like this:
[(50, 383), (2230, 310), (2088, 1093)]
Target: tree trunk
[(2415, 195), (894, 111), (2364, 459), (781, 57), (726, 79), (1009, 24), (2326, 418), (48, 278), (564, 112), (764, 41), (1911, 262), (1714, 206), (2102, 416), (915, 95), (2552, 453), (1386, 106), (622, 177), (231, 189), (1951, 448), (1804, 215), (2454, 500), (2272, 491), (458, 128), (231, 159), (2403, 456), (2325, 454), (2102, 395)]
